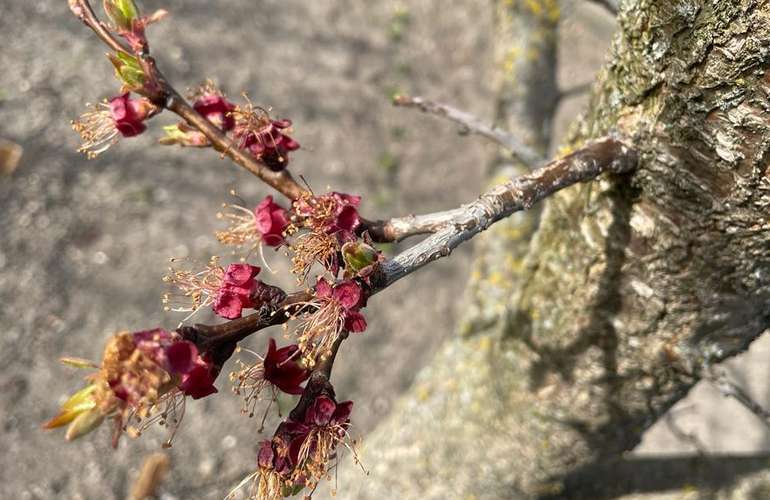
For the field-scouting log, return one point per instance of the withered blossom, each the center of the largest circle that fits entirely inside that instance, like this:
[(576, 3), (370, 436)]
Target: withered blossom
[(143, 378), (265, 138)]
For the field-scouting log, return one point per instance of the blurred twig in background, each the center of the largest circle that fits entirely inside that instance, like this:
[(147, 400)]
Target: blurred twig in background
[(154, 470), (10, 155)]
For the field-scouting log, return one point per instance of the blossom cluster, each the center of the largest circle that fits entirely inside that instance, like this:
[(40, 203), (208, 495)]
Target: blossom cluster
[(146, 376), (300, 451), (142, 376)]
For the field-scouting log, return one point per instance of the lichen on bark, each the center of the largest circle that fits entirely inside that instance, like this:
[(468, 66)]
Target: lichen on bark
[(631, 285)]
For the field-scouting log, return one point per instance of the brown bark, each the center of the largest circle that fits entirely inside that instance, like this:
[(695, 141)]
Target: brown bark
[(630, 286)]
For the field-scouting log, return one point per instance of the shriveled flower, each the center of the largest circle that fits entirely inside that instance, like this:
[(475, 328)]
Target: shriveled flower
[(276, 476), (266, 223), (265, 138), (330, 220), (335, 309), (300, 453), (101, 126), (228, 291), (278, 369), (142, 379), (333, 213), (327, 423), (313, 248)]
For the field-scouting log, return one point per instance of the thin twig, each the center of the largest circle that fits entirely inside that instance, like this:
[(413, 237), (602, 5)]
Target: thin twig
[(83, 11), (282, 181), (451, 228), (473, 124), (208, 337), (719, 379)]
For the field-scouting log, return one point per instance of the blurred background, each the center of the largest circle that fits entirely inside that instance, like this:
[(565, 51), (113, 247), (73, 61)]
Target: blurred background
[(84, 244)]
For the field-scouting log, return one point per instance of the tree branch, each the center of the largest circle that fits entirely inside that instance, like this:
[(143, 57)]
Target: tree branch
[(472, 124), (451, 228), (208, 337), (282, 181), (460, 225)]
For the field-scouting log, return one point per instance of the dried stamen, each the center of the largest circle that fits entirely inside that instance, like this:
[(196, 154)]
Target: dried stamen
[(97, 128)]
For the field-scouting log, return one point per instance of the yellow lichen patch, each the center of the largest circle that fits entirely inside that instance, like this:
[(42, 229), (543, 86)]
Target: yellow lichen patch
[(543, 9), (496, 279), (423, 392), (485, 344), (510, 58)]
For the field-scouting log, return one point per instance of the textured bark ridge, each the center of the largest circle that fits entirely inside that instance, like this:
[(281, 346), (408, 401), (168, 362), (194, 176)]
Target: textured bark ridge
[(631, 285)]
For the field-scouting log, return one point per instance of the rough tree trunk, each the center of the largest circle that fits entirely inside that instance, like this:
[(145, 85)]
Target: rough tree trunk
[(630, 287)]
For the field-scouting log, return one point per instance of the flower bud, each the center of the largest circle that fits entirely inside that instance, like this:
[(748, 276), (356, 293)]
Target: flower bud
[(121, 12), (359, 255), (80, 402), (179, 134), (84, 423), (129, 71)]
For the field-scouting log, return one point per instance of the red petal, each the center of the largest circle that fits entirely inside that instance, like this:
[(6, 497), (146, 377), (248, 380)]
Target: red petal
[(348, 219), (228, 305), (198, 383), (348, 293), (270, 355), (119, 107), (282, 123), (240, 274), (181, 356), (355, 322), (130, 129), (322, 289), (265, 454), (347, 198), (320, 412), (342, 413)]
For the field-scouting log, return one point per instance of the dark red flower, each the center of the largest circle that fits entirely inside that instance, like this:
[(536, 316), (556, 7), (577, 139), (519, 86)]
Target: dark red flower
[(198, 382), (349, 295), (282, 369), (177, 357), (281, 453), (266, 140), (271, 221), (216, 109), (334, 213), (129, 114), (236, 291), (324, 412)]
